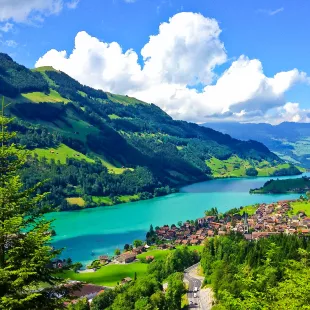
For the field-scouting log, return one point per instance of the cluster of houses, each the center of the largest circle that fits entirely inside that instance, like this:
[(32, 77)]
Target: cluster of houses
[(268, 219)]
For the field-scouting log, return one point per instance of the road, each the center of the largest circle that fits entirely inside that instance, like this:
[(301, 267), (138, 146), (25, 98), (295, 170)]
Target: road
[(193, 281)]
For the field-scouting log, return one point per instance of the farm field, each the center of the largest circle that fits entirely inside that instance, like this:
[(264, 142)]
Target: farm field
[(108, 275), (111, 274), (53, 96), (236, 167), (61, 153), (301, 206)]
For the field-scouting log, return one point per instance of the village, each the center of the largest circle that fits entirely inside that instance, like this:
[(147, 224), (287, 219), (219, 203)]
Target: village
[(268, 219)]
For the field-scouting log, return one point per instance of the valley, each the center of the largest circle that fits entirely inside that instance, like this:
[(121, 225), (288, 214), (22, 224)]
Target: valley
[(100, 149)]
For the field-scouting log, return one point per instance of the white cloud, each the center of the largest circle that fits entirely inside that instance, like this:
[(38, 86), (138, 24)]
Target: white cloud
[(73, 4), (185, 50), (6, 27), (10, 43), (32, 10), (184, 53), (271, 12)]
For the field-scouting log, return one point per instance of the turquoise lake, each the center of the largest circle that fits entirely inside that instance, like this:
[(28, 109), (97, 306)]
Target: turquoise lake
[(100, 231)]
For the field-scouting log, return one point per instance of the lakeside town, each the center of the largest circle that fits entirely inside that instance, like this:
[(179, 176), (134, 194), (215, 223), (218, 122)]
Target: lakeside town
[(255, 222)]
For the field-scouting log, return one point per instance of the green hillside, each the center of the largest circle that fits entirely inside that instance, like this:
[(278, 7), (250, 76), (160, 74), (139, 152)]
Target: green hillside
[(290, 141), (298, 185), (106, 148)]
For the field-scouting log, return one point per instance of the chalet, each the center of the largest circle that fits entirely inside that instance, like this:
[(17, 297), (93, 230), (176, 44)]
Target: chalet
[(126, 258), (88, 291), (201, 221), (210, 233), (194, 242), (138, 250), (126, 280), (104, 259)]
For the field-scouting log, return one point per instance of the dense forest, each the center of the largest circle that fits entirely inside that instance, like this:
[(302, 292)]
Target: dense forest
[(298, 185), (100, 146), (270, 273)]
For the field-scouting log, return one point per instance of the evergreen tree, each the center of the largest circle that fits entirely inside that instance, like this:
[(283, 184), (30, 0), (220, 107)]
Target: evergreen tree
[(25, 253)]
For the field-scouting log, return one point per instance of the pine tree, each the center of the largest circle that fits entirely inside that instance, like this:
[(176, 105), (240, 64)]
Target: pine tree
[(26, 274)]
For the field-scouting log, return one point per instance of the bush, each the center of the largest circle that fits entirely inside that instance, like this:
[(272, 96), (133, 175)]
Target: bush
[(251, 172)]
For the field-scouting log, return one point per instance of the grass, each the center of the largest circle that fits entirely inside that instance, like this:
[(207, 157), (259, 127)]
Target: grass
[(114, 116), (53, 97), (300, 205), (111, 274), (73, 126), (108, 275), (129, 198), (61, 153), (158, 254), (250, 210), (107, 201), (236, 167), (125, 100), (45, 68), (76, 201)]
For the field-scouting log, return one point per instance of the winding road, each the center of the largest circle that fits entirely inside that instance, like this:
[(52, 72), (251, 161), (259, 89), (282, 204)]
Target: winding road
[(194, 280)]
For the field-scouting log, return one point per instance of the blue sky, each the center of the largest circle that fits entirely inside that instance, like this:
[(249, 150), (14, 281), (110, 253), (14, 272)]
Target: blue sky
[(273, 32)]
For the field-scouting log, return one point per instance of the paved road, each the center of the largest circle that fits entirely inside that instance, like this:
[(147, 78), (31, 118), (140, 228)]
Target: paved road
[(194, 302)]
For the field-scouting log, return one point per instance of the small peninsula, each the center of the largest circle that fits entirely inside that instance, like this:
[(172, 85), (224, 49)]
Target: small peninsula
[(296, 185)]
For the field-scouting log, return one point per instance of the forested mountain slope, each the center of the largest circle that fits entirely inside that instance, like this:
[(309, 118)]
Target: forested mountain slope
[(98, 148), (290, 141)]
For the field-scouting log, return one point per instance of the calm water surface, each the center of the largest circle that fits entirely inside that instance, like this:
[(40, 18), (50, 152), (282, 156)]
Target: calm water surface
[(101, 230)]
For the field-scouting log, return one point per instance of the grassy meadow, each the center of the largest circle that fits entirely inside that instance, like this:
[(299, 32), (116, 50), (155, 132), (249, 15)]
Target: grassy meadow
[(236, 167), (53, 97)]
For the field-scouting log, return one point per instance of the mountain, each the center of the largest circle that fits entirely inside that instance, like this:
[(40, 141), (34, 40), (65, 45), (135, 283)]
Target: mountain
[(290, 141), (98, 148)]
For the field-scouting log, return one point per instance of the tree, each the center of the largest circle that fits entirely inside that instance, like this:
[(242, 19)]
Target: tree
[(25, 253), (117, 252), (126, 247), (104, 300), (175, 291), (137, 243), (82, 304), (77, 266)]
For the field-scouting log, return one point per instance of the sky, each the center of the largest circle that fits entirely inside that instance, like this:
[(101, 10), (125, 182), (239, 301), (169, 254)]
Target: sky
[(199, 60)]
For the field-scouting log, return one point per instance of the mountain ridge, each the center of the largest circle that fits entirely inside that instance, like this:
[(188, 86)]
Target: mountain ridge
[(116, 148), (289, 140)]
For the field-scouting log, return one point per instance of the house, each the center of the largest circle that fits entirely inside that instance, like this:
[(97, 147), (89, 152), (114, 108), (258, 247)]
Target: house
[(126, 258), (104, 259), (88, 291), (126, 280), (138, 250)]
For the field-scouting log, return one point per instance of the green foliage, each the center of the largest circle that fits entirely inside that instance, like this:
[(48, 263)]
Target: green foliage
[(117, 252), (251, 172), (25, 253), (137, 243), (296, 185), (175, 291), (265, 274), (81, 304), (146, 292), (164, 154), (291, 170), (15, 79)]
